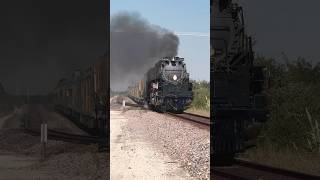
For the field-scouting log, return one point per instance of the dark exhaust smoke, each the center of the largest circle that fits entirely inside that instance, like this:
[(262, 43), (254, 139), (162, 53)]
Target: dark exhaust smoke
[(135, 46)]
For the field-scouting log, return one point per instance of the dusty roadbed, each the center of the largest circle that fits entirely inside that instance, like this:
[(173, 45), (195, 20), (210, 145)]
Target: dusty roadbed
[(179, 150), (133, 158)]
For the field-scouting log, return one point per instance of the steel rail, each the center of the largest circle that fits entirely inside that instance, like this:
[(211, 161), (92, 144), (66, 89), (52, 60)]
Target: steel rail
[(67, 137), (204, 120), (193, 117), (276, 170), (243, 169)]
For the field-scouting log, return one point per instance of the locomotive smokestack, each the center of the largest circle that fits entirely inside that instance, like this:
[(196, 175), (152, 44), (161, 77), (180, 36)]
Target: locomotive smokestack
[(135, 46)]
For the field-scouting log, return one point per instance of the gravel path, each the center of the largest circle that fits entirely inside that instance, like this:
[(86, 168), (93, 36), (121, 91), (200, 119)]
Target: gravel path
[(187, 144), (134, 158)]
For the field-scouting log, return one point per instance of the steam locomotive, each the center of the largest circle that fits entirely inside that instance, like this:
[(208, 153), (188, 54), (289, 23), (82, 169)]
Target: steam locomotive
[(165, 87), (237, 84)]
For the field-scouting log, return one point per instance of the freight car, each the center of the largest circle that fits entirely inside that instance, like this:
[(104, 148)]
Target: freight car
[(80, 96), (165, 87)]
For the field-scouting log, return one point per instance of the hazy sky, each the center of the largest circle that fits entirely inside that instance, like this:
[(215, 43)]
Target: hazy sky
[(290, 26), (42, 41), (189, 18)]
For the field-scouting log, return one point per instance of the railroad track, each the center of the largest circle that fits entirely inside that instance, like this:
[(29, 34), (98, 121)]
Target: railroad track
[(133, 105), (245, 170), (193, 117), (67, 137), (187, 116)]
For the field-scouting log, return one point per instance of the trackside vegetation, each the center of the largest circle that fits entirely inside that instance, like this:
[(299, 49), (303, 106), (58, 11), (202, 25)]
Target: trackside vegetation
[(291, 135)]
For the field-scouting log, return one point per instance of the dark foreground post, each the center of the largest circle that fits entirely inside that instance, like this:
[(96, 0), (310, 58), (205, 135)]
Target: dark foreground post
[(43, 140)]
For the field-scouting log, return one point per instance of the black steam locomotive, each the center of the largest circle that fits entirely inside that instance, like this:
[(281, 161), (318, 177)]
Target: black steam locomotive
[(165, 87), (238, 100)]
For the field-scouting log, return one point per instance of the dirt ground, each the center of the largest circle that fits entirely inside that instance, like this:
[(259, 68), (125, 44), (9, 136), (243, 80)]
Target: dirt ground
[(133, 158), (20, 153)]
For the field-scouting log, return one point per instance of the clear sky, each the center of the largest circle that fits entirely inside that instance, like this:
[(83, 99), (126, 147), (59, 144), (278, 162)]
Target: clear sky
[(190, 19)]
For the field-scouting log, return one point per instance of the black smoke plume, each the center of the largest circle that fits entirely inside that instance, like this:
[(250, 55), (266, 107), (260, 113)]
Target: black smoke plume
[(135, 47)]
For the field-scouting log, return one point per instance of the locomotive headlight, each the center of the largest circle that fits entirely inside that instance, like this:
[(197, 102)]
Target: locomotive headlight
[(174, 77)]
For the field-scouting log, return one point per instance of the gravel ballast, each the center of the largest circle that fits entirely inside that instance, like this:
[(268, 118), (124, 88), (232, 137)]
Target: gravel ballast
[(186, 143)]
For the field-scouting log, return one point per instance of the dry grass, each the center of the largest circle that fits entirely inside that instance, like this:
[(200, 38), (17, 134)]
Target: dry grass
[(314, 140), (293, 157), (296, 161), (201, 112)]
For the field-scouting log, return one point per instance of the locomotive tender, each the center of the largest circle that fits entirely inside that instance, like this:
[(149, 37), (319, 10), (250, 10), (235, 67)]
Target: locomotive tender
[(165, 87)]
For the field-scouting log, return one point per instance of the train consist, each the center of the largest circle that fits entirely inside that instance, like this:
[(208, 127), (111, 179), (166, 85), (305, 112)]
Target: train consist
[(165, 87), (80, 96), (237, 94)]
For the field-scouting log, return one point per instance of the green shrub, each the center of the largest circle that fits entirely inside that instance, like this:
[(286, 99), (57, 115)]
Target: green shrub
[(201, 95), (293, 96)]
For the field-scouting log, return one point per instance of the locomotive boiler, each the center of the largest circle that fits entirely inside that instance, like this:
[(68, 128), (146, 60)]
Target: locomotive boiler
[(165, 87)]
